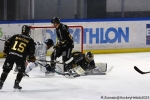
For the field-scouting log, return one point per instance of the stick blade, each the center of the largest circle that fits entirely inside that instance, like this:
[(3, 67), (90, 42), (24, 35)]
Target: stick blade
[(138, 70)]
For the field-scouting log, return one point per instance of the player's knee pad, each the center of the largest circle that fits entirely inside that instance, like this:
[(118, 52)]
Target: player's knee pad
[(21, 68), (7, 68)]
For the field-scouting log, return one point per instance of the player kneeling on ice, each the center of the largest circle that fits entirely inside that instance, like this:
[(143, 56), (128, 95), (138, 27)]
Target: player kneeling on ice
[(84, 64), (17, 48)]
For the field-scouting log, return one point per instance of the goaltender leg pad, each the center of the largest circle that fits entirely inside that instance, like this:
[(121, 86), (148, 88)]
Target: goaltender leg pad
[(101, 66), (79, 70)]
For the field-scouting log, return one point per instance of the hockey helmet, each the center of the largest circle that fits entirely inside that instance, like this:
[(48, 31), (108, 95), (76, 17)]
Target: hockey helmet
[(55, 20), (49, 42), (26, 30), (89, 56)]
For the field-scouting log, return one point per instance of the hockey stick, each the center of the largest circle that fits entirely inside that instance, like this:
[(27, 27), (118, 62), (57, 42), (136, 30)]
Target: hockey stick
[(141, 72), (58, 62), (2, 40), (51, 61), (64, 74)]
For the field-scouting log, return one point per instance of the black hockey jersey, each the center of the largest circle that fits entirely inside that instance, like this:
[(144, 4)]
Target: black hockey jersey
[(64, 36), (20, 45)]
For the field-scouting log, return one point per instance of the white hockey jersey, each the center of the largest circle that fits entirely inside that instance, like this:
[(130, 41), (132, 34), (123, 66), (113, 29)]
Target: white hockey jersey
[(40, 51)]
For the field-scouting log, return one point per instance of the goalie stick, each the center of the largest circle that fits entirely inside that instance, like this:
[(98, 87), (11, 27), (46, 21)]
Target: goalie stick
[(141, 72)]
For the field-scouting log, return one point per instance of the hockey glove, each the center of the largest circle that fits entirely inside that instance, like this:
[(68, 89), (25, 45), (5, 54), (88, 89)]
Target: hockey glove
[(27, 58), (32, 58), (49, 68)]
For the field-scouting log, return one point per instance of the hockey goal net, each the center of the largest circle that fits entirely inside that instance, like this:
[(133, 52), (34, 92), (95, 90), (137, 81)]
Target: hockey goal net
[(41, 33)]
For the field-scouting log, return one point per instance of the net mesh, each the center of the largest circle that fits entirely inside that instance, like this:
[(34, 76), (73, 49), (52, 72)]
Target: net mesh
[(41, 33)]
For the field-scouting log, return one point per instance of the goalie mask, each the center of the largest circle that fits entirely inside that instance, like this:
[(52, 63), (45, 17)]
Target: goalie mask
[(55, 20), (26, 30), (89, 56)]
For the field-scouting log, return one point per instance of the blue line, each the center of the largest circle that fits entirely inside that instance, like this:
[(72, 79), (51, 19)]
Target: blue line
[(75, 20)]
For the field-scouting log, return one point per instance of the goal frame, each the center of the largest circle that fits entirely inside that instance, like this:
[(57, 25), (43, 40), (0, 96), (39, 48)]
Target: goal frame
[(70, 26)]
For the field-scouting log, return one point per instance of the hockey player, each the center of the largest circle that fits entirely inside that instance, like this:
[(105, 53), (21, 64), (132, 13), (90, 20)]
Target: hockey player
[(17, 48), (40, 53), (85, 61), (64, 45), (82, 63)]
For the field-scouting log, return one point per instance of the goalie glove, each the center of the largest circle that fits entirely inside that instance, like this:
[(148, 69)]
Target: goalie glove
[(32, 58)]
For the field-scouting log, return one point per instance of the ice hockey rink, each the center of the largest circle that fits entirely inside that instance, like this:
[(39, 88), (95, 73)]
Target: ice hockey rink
[(122, 81)]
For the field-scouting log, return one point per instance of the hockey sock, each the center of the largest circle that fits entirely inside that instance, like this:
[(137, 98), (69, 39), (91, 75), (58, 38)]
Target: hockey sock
[(19, 76), (4, 76)]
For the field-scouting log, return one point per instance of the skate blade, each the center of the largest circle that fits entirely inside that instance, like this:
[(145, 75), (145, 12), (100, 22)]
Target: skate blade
[(17, 90), (50, 74), (69, 76)]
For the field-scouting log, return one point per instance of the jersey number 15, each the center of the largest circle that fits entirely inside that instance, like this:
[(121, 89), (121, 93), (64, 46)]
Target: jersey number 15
[(20, 47)]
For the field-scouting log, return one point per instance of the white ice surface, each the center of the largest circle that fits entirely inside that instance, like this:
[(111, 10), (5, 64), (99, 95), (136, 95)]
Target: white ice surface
[(123, 80)]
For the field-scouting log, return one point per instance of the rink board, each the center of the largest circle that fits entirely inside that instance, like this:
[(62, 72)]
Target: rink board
[(100, 36)]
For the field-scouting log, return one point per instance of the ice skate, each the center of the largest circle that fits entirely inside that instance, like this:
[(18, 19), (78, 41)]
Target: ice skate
[(17, 87), (49, 73)]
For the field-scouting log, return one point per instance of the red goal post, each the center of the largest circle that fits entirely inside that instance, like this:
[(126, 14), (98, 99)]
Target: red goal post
[(77, 32)]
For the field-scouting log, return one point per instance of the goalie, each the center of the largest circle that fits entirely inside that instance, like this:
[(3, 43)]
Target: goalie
[(84, 64)]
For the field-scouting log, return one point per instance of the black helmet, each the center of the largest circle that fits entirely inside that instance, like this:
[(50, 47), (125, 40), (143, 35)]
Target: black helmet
[(89, 56), (25, 30), (49, 42), (55, 20)]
